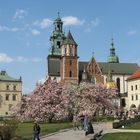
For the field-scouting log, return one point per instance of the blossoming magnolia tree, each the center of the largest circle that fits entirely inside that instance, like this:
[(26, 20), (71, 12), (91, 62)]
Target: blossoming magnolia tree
[(46, 102), (54, 101)]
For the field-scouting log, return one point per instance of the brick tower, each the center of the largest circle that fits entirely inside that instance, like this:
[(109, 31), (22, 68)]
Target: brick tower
[(69, 60)]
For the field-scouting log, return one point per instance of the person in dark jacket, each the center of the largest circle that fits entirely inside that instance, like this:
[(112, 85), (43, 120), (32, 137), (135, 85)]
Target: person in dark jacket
[(36, 131), (90, 129)]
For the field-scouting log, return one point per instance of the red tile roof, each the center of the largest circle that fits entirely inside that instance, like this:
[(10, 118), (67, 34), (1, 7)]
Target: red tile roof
[(135, 75)]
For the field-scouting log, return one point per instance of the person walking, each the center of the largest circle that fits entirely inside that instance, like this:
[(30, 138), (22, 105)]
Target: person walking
[(36, 131), (76, 122)]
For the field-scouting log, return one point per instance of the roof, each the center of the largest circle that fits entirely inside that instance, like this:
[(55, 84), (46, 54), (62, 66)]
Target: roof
[(116, 68), (69, 40), (135, 75), (5, 77)]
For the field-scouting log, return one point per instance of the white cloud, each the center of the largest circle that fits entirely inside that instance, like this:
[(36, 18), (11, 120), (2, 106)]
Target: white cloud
[(5, 58), (36, 60), (21, 59), (132, 32), (43, 23), (20, 14), (95, 22), (5, 28), (92, 24), (35, 32), (71, 20)]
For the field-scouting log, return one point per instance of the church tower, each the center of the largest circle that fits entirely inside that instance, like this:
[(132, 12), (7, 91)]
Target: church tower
[(54, 56), (69, 60), (112, 58), (57, 37)]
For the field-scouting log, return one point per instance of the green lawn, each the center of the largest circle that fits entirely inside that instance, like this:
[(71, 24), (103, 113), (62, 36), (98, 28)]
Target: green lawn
[(122, 136), (25, 129)]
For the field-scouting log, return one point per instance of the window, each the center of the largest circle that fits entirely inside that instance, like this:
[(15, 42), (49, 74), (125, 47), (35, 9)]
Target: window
[(0, 101), (7, 87), (71, 51), (70, 73), (70, 62), (136, 87), (58, 44), (14, 87), (65, 51), (7, 97), (14, 97), (136, 97), (118, 84), (58, 27), (132, 88), (132, 98)]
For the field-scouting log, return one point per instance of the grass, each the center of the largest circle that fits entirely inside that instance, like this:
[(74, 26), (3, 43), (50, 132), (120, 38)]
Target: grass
[(26, 129), (122, 136)]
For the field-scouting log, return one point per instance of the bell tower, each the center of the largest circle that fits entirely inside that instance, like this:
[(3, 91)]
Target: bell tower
[(54, 57), (69, 60), (57, 37)]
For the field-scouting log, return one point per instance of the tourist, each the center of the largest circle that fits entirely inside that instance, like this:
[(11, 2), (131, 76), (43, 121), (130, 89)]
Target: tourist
[(76, 122), (36, 131), (81, 117), (90, 129)]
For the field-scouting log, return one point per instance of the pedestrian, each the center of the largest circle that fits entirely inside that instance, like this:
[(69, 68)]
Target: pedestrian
[(81, 117), (36, 131), (76, 122), (86, 122), (90, 129)]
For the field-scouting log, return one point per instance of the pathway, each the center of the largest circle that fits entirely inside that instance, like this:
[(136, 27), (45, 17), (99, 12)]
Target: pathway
[(70, 134)]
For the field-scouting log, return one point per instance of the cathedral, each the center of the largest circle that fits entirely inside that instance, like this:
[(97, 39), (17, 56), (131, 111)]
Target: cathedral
[(64, 66)]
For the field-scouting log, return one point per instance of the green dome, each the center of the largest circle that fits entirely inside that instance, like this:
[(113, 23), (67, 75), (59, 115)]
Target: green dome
[(113, 59)]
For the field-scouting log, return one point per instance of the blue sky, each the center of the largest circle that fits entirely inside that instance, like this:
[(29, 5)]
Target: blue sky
[(26, 26)]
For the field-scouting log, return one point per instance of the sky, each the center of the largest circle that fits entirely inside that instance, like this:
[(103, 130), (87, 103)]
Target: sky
[(26, 26)]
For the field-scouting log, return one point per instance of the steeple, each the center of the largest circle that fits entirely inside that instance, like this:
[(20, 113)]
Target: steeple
[(57, 37), (112, 58), (69, 40)]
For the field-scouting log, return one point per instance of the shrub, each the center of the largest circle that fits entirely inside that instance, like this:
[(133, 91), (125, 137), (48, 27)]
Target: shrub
[(7, 129)]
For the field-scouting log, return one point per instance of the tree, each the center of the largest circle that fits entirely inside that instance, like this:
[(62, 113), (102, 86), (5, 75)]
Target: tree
[(56, 101), (44, 103)]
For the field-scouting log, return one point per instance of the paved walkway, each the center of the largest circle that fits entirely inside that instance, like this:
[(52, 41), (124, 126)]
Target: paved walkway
[(70, 134)]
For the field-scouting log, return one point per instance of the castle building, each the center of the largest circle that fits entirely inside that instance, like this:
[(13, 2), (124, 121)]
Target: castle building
[(134, 90), (64, 66), (10, 93)]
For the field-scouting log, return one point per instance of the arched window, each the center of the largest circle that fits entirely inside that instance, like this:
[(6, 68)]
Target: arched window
[(70, 73), (123, 103), (118, 84)]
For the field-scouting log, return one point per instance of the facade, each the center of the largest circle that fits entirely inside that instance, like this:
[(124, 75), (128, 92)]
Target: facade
[(10, 93), (65, 66), (134, 90)]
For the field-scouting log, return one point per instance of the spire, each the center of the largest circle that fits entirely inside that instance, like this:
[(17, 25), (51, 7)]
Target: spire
[(57, 37), (112, 58), (69, 39)]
